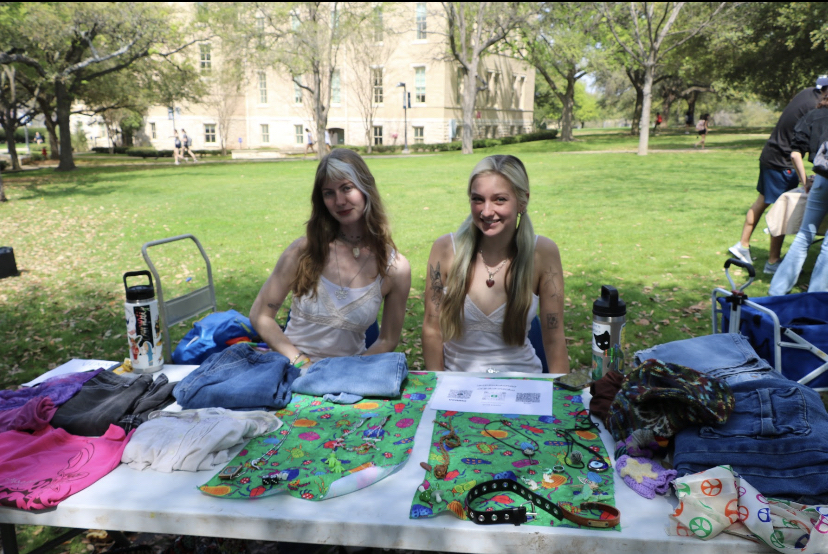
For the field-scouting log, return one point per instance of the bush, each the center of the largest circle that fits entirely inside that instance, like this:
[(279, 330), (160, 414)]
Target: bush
[(20, 134), (548, 134), (3, 165), (143, 152), (508, 140), (105, 149)]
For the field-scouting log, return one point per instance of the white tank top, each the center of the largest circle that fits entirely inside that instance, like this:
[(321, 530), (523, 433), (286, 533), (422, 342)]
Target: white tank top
[(481, 347), (324, 327)]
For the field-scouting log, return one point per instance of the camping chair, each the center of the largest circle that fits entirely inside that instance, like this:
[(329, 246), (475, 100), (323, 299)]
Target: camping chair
[(180, 308)]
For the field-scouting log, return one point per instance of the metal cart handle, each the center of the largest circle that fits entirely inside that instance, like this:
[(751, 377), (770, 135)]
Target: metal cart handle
[(749, 267)]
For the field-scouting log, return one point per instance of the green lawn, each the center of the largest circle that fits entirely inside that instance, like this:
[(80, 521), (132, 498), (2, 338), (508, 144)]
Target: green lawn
[(656, 227)]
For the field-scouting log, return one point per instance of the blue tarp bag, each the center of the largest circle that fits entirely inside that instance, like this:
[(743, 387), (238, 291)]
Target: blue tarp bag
[(210, 335)]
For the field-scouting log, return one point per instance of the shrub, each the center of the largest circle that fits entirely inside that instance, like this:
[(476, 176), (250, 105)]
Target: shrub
[(20, 134), (105, 149), (508, 140), (548, 134), (3, 165), (144, 152)]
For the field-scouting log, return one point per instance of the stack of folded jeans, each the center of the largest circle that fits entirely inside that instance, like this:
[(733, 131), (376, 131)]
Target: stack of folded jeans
[(777, 436)]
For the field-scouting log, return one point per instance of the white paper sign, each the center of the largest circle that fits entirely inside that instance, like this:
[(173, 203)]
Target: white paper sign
[(72, 366), (493, 396)]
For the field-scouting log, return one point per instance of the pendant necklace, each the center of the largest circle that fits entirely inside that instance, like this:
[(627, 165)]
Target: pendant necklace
[(527, 451), (356, 249), (492, 272), (342, 293)]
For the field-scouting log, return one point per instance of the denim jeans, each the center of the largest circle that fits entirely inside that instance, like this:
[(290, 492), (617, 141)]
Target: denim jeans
[(356, 376), (776, 438), (788, 272), (727, 356), (101, 401), (238, 378)]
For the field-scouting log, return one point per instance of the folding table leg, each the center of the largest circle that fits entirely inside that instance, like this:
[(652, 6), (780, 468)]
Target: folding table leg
[(8, 535)]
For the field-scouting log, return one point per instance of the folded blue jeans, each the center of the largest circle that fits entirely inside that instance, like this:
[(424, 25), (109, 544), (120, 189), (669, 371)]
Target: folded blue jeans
[(776, 438), (238, 378), (347, 379), (727, 356)]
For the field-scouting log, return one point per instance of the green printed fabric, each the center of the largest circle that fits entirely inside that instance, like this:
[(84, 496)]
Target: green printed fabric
[(325, 450), (482, 457)]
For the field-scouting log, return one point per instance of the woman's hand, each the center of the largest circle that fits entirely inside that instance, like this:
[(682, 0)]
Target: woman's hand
[(270, 299)]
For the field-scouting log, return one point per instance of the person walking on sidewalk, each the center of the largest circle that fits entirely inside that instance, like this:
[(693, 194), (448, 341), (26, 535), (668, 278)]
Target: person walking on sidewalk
[(776, 173), (186, 149)]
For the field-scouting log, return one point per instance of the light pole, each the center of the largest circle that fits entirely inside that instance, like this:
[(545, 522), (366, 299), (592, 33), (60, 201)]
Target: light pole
[(406, 105)]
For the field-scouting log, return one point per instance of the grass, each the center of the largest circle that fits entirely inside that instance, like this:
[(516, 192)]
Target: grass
[(656, 227)]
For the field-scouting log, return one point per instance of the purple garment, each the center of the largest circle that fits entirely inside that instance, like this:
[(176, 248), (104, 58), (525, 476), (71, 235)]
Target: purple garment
[(33, 416), (59, 389)]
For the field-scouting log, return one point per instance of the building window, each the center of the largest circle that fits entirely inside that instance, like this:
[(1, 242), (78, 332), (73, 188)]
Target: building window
[(300, 135), (152, 131), (262, 87), (461, 83), (419, 135), (297, 91), (521, 81), (376, 76), (378, 136), (492, 92), (265, 133), (494, 131), (421, 20), (378, 24), (205, 58), (210, 132), (336, 89), (419, 85)]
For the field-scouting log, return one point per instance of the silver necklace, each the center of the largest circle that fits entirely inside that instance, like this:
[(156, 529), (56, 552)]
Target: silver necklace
[(356, 249), (342, 293), (492, 272)]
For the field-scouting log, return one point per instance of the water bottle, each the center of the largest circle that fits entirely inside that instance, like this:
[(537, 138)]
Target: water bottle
[(609, 315), (146, 350)]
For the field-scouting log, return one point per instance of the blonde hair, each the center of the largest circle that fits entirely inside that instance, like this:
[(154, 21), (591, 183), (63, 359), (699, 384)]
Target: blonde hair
[(322, 228), (519, 275)]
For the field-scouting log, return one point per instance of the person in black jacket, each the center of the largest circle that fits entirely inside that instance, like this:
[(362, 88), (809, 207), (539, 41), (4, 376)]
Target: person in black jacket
[(809, 134), (777, 174)]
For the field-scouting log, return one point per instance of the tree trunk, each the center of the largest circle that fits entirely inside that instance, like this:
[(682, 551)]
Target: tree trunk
[(2, 190), (64, 105), (15, 160), (369, 143), (691, 108), (51, 130), (636, 118), (668, 97), (646, 105), (469, 97), (567, 115)]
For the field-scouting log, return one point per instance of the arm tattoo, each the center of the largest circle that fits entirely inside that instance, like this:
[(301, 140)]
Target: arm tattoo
[(274, 307), (552, 321), (549, 281), (436, 284)]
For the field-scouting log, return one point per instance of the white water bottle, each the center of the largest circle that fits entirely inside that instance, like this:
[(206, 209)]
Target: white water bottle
[(146, 349), (609, 316)]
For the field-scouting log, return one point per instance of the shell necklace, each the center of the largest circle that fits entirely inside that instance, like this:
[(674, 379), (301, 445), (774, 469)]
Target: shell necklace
[(492, 272), (342, 293), (356, 247)]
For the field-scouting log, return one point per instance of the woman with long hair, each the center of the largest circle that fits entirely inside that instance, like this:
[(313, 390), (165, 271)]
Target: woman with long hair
[(486, 282), (809, 134), (340, 273)]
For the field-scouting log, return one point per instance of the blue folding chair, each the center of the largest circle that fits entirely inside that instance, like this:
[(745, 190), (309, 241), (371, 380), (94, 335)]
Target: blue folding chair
[(536, 338)]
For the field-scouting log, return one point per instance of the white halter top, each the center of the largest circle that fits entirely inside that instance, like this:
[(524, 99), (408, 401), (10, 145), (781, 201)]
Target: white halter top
[(324, 327), (481, 346)]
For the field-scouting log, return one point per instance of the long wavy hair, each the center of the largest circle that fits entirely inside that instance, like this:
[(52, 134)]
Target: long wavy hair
[(322, 228), (519, 275)]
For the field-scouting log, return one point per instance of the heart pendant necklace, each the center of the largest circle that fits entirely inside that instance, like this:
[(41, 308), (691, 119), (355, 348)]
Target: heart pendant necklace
[(492, 272)]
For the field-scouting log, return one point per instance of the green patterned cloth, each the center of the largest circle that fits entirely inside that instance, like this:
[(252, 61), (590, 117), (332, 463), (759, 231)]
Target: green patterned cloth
[(369, 440), (482, 457)]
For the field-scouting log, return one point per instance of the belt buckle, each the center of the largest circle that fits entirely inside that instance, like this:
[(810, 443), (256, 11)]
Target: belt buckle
[(533, 514)]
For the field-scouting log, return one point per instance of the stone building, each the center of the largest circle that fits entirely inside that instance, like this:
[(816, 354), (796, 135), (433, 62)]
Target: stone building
[(273, 112)]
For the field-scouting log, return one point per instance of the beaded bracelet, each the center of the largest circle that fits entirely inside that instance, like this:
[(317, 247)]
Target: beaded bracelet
[(293, 361)]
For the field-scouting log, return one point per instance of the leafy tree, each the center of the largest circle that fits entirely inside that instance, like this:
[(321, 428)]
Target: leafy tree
[(563, 43), (84, 42), (646, 32), (474, 30), (15, 109)]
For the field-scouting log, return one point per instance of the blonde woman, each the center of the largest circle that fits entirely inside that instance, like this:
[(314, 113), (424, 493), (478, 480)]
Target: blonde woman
[(340, 273), (487, 282)]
